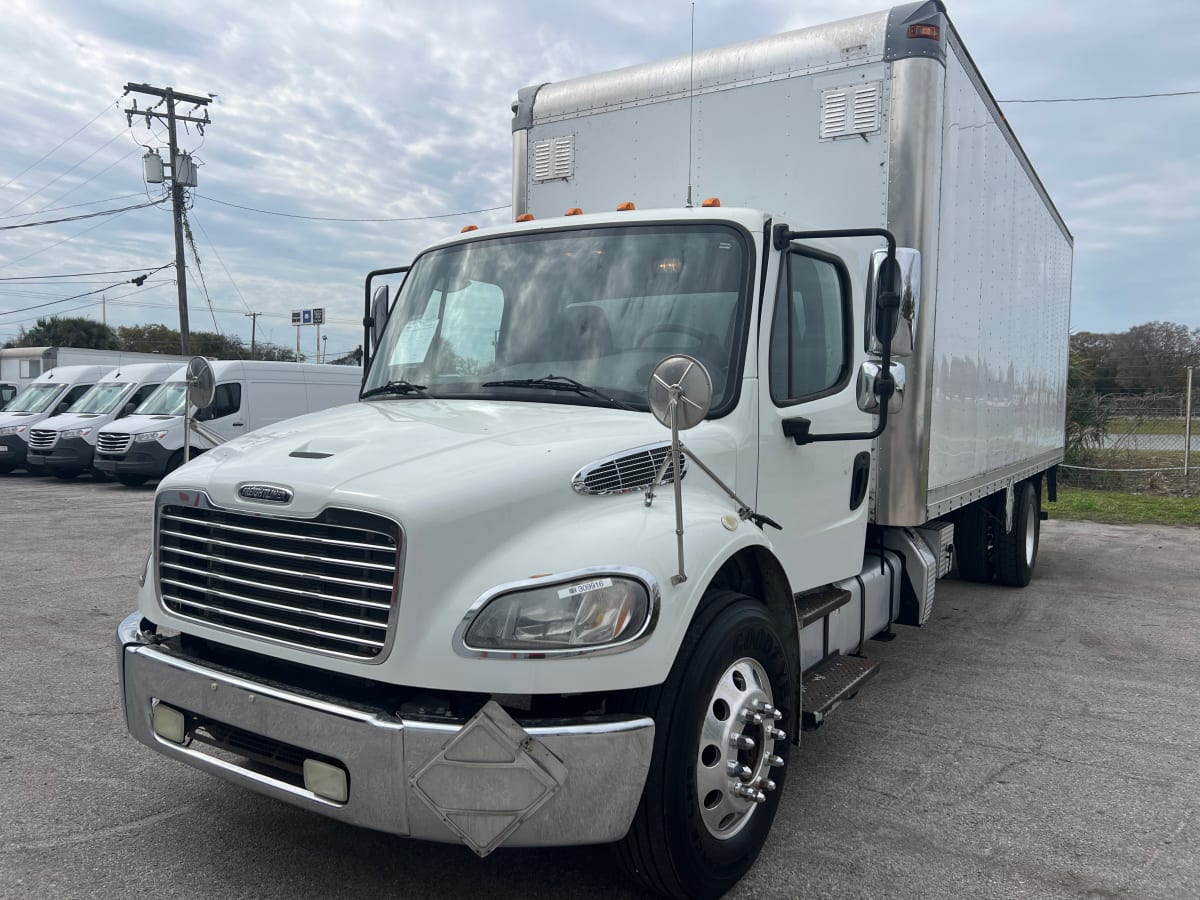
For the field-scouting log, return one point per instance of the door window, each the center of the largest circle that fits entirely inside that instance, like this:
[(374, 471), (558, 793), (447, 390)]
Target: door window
[(810, 345), (226, 401)]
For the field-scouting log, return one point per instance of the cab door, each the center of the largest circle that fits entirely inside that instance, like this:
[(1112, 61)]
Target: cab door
[(807, 370)]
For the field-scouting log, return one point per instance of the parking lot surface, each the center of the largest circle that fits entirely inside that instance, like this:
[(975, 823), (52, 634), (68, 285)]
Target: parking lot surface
[(1036, 743)]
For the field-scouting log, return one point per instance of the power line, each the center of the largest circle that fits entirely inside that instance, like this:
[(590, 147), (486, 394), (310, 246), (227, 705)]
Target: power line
[(271, 212), (92, 215), (222, 262), (74, 274), (83, 184), (62, 174), (72, 237), (74, 205), (57, 147), (139, 280), (1115, 97)]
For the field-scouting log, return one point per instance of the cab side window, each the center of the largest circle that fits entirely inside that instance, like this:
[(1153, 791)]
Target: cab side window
[(139, 395), (810, 330), (226, 401)]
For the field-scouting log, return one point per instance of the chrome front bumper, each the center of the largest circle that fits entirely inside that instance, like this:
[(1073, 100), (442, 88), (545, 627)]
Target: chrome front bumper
[(485, 782)]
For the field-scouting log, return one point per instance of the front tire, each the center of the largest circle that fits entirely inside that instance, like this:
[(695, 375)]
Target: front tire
[(708, 804), (131, 480)]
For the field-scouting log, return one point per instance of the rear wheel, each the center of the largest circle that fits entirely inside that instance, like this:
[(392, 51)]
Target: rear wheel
[(718, 767), (1016, 553), (974, 542), (174, 462)]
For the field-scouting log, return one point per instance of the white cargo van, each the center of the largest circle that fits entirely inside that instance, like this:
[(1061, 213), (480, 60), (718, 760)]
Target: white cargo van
[(64, 445), (249, 395), (46, 396)]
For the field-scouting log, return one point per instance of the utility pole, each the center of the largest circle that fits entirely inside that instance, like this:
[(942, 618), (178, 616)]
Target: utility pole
[(170, 96), (253, 317)]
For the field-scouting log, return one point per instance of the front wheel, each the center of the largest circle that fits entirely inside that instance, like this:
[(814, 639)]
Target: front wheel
[(720, 756), (131, 480), (65, 474)]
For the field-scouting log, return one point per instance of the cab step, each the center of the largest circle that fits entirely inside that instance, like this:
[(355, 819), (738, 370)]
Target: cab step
[(830, 682), (814, 605)]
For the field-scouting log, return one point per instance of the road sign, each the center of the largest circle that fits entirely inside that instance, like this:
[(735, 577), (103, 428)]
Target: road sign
[(318, 316), (306, 317), (295, 317)]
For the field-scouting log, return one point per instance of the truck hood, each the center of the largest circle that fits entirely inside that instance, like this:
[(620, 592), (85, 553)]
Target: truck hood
[(75, 420), (137, 424), (443, 459)]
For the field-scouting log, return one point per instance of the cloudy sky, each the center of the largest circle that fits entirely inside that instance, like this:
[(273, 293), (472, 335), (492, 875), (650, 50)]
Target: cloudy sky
[(400, 110)]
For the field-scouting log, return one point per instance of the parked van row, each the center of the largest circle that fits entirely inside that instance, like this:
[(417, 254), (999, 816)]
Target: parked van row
[(127, 423)]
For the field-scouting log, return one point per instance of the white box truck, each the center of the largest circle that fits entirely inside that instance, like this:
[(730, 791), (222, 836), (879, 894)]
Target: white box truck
[(64, 445), (495, 602), (50, 394), (21, 365), (249, 395)]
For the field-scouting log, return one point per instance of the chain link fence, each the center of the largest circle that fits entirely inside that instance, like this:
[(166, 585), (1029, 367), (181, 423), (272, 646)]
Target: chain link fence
[(1138, 443)]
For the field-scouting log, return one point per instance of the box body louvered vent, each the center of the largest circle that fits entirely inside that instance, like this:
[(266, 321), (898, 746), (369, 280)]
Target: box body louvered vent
[(851, 110), (554, 159)]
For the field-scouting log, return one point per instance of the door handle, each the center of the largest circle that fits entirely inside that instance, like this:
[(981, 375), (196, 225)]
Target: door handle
[(236, 424)]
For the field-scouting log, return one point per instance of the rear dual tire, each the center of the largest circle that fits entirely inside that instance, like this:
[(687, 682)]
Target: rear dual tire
[(985, 553)]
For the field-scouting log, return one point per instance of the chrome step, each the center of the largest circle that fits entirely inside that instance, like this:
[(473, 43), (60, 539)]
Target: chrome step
[(814, 605), (830, 682)]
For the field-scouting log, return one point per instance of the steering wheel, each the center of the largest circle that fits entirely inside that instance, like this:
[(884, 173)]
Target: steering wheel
[(703, 338)]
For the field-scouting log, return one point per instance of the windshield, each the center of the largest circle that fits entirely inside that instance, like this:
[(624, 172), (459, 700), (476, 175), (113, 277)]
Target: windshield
[(601, 306), (36, 398), (168, 400), (102, 398)]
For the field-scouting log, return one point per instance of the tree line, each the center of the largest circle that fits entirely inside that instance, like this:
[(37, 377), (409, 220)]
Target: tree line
[(1147, 359), (92, 335)]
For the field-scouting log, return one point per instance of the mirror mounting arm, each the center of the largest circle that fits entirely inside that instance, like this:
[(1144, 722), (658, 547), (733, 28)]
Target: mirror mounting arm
[(888, 304)]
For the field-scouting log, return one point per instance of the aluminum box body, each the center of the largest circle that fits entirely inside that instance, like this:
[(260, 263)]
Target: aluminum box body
[(854, 124)]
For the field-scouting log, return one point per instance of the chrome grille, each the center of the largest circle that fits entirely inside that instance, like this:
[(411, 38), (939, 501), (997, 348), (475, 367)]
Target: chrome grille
[(41, 439), (325, 584), (633, 470), (113, 442)]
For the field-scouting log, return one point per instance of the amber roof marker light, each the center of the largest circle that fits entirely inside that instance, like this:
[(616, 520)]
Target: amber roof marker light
[(467, 228), (525, 217), (933, 32), (710, 202), (627, 206), (574, 211)]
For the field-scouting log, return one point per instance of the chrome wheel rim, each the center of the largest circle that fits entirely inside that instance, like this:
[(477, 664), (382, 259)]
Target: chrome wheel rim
[(736, 751)]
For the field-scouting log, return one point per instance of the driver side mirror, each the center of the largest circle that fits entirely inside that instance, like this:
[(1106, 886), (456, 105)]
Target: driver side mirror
[(62, 408), (379, 314), (127, 409), (899, 321)]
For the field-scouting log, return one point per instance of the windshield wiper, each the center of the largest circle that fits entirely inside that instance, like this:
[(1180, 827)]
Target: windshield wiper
[(394, 387), (559, 383)]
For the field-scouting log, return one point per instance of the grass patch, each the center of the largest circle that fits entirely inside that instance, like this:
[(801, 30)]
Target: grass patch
[(1117, 508)]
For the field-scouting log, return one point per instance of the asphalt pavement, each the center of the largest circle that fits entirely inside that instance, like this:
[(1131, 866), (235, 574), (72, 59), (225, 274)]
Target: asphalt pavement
[(1038, 743)]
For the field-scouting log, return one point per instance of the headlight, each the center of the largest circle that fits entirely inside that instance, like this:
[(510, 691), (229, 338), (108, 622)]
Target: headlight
[(149, 436), (569, 616), (74, 433), (11, 429)]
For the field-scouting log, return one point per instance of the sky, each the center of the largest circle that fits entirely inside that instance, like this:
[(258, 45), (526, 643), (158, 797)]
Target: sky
[(401, 110)]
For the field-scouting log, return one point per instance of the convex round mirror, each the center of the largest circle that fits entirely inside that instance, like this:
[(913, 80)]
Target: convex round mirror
[(202, 384), (681, 387)]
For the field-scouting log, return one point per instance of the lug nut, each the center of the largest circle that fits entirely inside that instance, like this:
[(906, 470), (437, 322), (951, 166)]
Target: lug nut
[(776, 714), (777, 734), (774, 761), (767, 785), (749, 715), (764, 707), (737, 770), (741, 742)]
